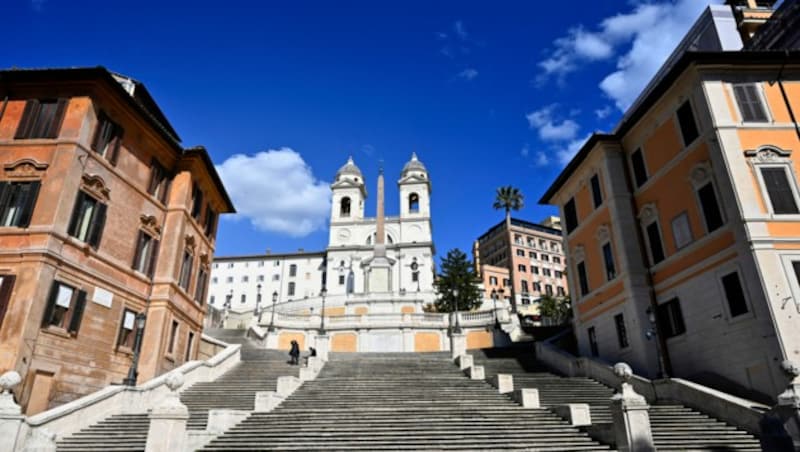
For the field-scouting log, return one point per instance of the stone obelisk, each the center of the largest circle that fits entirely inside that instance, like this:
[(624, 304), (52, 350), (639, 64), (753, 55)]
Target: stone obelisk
[(379, 270)]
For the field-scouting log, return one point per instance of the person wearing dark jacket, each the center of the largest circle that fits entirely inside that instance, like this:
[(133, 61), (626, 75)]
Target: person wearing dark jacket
[(294, 353)]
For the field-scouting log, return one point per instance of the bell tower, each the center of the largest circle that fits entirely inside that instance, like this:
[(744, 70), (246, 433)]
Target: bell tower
[(349, 194), (415, 190)]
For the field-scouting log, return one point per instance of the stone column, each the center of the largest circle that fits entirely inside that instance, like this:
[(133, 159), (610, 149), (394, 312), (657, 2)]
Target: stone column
[(630, 413), (458, 345), (10, 413), (168, 420), (323, 342)]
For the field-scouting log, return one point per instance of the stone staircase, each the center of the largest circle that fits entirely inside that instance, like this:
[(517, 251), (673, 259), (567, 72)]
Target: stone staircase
[(674, 426), (258, 371), (400, 402)]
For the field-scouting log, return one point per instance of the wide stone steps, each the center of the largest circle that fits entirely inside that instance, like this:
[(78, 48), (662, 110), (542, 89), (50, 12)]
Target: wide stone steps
[(674, 426), (123, 433)]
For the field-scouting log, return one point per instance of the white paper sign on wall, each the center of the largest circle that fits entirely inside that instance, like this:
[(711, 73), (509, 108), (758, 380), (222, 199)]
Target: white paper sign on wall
[(102, 297)]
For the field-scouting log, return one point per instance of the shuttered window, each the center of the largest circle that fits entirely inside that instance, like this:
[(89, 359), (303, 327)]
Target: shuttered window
[(197, 202), (710, 207), (780, 192), (670, 318), (687, 123), (17, 200), (186, 270), (608, 257), (570, 215), (639, 168), (734, 293), (88, 220), (6, 287), (200, 290), (146, 254), (159, 182), (41, 118), (65, 306), (654, 238), (211, 222), (107, 138), (749, 102)]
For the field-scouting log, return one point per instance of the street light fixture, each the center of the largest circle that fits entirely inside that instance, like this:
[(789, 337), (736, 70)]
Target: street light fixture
[(272, 318), (455, 311), (258, 303), (494, 306), (323, 292), (652, 333), (133, 372)]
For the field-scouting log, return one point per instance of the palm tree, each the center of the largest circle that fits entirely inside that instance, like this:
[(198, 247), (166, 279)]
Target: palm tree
[(508, 198)]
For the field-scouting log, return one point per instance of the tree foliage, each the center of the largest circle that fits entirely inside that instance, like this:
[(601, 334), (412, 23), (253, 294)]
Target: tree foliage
[(558, 309), (457, 273), (508, 198)]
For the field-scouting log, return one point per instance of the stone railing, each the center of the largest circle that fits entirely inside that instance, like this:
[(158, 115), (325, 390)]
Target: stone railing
[(73, 416), (744, 413), (415, 320)]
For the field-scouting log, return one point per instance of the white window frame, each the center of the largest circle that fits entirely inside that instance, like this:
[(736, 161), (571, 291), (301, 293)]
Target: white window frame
[(719, 274), (603, 237), (762, 97), (772, 157)]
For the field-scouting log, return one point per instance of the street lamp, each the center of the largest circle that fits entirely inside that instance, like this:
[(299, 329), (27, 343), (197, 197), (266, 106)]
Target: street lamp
[(455, 311), (133, 372), (258, 303), (323, 292), (652, 333), (494, 308), (272, 318)]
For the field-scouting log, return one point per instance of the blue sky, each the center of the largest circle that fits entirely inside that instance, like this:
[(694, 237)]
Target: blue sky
[(486, 93)]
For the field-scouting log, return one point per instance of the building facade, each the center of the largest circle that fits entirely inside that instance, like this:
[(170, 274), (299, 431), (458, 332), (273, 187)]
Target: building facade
[(295, 280), (521, 262), (105, 216), (681, 227)]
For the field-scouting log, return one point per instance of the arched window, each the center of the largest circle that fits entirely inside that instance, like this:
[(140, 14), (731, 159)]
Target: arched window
[(413, 203), (345, 207)]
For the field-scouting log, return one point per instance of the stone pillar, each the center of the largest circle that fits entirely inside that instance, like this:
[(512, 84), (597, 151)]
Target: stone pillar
[(503, 382), (527, 397), (464, 361), (577, 414), (780, 427), (10, 413), (458, 345), (323, 342), (629, 411), (168, 420)]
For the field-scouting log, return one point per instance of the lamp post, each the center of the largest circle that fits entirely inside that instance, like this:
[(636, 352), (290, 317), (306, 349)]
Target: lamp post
[(133, 372), (652, 333), (258, 303), (494, 308), (455, 311), (322, 292), (272, 317)]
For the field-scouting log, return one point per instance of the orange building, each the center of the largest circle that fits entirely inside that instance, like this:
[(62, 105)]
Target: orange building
[(684, 222), (103, 215), (522, 261)]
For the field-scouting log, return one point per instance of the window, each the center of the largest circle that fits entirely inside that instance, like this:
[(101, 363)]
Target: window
[(230, 265), (41, 118), (559, 274), (277, 263), (521, 268), (189, 343), (532, 255), (211, 299), (670, 318), (88, 219), (521, 253), (545, 258), (534, 270), (127, 329), (291, 289), (173, 337), (6, 286), (570, 215), (64, 307), (749, 102), (622, 333), (781, 195), (548, 289), (524, 286), (526, 301), (260, 278), (537, 286), (506, 282), (144, 259), (229, 279), (341, 280), (159, 182), (293, 270), (344, 208), (554, 247), (687, 123), (734, 293), (681, 230), (654, 239), (261, 264), (186, 270), (542, 244), (243, 299), (546, 272), (17, 200), (413, 203), (107, 138), (415, 276), (608, 258), (560, 291), (597, 194), (639, 169), (200, 289), (245, 279), (493, 280), (593, 342), (197, 202), (583, 279), (276, 277), (708, 203), (556, 260)]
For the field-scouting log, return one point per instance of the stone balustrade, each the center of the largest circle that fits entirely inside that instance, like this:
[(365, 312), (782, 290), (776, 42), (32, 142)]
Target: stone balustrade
[(381, 320)]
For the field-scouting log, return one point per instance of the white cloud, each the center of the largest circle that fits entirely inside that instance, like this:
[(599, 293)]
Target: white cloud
[(541, 159), (565, 154), (468, 74), (550, 129), (276, 191), (602, 113), (461, 32), (640, 40)]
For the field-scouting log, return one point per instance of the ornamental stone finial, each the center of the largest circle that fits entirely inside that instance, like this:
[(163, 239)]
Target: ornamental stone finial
[(623, 371), (8, 380), (174, 380), (790, 368)]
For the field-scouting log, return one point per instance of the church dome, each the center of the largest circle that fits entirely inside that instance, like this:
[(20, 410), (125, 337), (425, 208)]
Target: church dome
[(349, 169), (413, 165)]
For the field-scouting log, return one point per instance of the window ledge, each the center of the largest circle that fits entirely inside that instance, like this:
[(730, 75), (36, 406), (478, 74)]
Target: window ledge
[(125, 350), (57, 331)]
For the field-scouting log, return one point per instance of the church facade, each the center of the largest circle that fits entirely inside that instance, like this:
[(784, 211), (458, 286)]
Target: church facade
[(377, 265)]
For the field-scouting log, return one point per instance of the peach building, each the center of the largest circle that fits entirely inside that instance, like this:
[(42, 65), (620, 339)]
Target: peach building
[(522, 261), (103, 216), (684, 222)]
